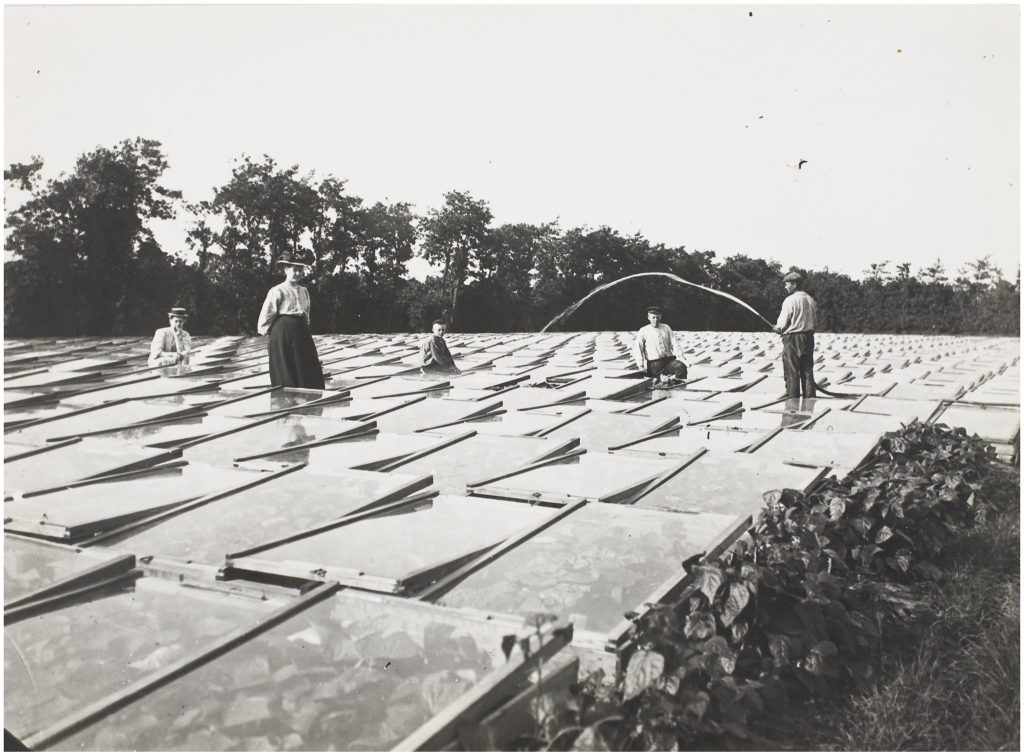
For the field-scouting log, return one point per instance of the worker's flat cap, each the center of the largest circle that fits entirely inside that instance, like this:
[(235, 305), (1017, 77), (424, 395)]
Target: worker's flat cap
[(793, 276)]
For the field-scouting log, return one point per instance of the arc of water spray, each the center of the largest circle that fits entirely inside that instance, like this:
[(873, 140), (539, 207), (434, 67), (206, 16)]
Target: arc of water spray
[(569, 310)]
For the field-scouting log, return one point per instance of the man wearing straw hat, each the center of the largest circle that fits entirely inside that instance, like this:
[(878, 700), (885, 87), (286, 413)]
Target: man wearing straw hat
[(796, 326), (173, 344)]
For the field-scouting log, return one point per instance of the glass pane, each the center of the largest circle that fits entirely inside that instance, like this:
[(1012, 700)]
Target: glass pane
[(996, 425), (590, 567), (855, 422), (594, 476), (478, 458), (432, 412), (845, 450), (725, 483), (32, 565), (123, 500), (366, 452), (685, 442), (277, 400), (599, 430), (345, 674), (173, 432), (157, 387), (118, 415), (353, 409), (266, 437), (66, 464), (290, 503), (60, 661), (903, 409), (395, 545), (393, 387)]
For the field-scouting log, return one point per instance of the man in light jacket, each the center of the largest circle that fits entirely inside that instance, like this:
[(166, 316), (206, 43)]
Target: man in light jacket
[(796, 326), (171, 345), (653, 350)]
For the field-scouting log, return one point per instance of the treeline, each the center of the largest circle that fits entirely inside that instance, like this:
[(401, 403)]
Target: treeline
[(82, 259)]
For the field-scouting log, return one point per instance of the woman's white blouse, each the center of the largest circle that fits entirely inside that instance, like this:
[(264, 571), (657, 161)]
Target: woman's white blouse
[(283, 299)]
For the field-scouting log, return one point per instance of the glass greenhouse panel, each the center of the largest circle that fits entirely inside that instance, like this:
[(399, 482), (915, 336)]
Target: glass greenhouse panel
[(34, 565), (400, 544), (77, 461), (726, 483), (993, 424), (590, 567), (60, 661), (79, 512), (114, 416), (594, 476), (286, 504), (481, 457), (367, 452), (270, 436), (345, 674)]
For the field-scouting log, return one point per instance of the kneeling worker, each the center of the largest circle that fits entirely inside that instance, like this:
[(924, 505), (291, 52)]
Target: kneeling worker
[(796, 326), (171, 345), (434, 354), (652, 351)]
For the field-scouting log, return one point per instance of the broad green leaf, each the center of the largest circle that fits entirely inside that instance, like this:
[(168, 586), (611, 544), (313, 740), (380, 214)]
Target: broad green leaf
[(644, 669), (736, 600), (708, 579)]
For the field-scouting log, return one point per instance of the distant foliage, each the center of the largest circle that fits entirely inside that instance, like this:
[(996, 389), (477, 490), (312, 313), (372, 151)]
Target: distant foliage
[(82, 259)]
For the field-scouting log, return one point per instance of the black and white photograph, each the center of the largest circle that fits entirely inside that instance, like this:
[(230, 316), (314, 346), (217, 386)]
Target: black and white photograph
[(511, 377)]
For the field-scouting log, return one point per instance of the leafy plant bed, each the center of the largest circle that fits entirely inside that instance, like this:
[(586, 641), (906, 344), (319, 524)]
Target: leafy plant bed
[(818, 606)]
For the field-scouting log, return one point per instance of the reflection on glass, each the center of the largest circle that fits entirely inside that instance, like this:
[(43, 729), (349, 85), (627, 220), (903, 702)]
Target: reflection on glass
[(477, 458), (266, 437), (344, 674), (30, 566), (100, 501), (417, 537), (270, 510), (727, 483), (366, 451), (74, 655), (71, 463), (590, 567)]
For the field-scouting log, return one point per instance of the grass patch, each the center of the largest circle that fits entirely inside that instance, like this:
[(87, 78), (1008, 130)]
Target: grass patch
[(952, 681)]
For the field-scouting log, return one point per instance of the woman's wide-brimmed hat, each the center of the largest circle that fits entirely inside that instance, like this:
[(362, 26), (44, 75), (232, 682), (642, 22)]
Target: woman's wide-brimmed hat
[(178, 312), (298, 258)]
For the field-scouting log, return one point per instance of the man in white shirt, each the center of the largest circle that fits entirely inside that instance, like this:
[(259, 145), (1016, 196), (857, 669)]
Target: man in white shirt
[(796, 326), (652, 350), (171, 345)]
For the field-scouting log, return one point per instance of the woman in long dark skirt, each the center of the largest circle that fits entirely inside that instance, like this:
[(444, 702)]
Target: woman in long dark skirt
[(294, 362)]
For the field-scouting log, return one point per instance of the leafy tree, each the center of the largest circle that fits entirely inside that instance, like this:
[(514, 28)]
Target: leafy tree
[(386, 239), (78, 240), (452, 238)]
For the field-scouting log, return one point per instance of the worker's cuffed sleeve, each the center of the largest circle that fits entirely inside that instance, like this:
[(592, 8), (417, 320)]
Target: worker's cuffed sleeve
[(268, 314)]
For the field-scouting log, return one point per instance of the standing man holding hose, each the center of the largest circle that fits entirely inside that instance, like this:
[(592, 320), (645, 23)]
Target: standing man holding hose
[(796, 326)]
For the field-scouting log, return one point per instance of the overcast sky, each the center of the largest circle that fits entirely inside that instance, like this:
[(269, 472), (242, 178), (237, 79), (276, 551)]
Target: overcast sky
[(683, 123)]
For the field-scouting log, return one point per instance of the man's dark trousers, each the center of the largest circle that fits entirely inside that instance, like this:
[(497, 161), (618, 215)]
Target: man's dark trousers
[(798, 364)]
